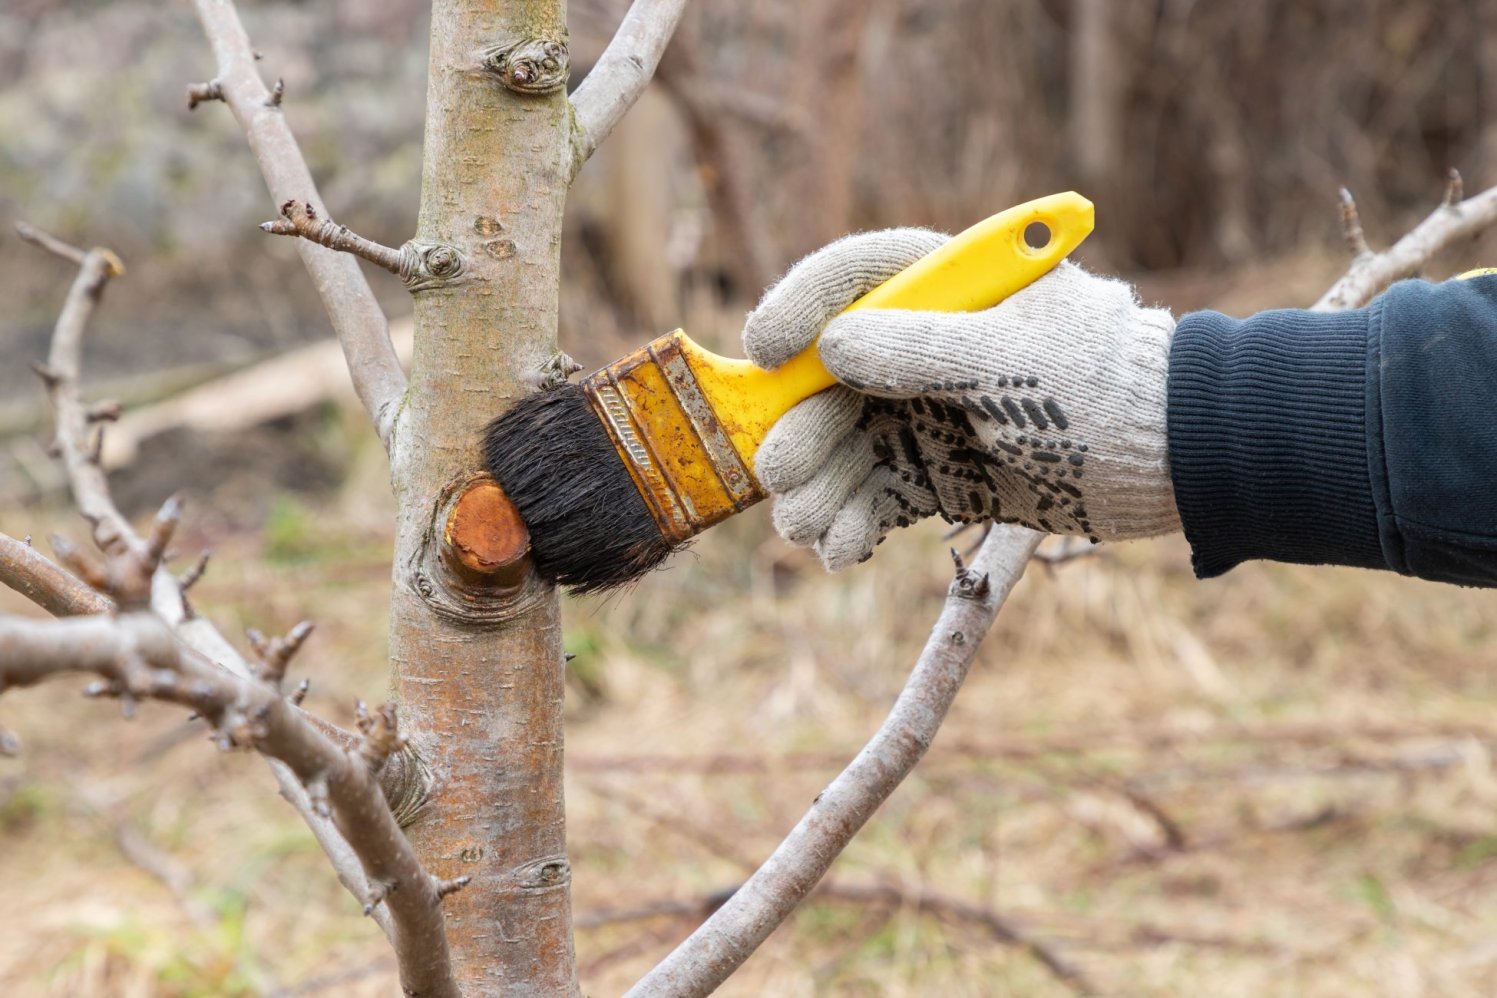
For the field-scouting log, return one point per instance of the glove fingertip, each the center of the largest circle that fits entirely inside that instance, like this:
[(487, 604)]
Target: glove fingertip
[(804, 439), (793, 311), (795, 531), (849, 540), (839, 554)]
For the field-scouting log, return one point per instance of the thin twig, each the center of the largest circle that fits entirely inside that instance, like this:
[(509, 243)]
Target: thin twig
[(33, 575), (299, 218), (725, 940), (1351, 226), (362, 329), (621, 73), (1371, 272), (671, 822), (50, 243), (339, 978), (928, 901), (60, 377), (1067, 548), (1455, 188), (698, 908), (140, 851), (1020, 748)]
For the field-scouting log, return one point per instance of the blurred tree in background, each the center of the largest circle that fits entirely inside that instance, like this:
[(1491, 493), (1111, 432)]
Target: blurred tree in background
[(1209, 134)]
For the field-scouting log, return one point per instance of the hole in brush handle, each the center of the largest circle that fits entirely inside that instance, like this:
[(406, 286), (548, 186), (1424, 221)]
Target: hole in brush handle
[(1037, 235)]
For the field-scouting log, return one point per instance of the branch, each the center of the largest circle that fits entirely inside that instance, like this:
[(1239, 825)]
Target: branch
[(50, 243), (1455, 219), (361, 326), (301, 219), (137, 657), (77, 444), (133, 572), (745, 920), (621, 73), (35, 577)]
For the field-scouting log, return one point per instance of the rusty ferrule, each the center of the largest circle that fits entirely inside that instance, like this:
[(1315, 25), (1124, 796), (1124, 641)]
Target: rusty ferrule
[(666, 433)]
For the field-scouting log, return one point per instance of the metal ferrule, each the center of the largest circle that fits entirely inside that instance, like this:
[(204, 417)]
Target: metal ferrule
[(671, 440)]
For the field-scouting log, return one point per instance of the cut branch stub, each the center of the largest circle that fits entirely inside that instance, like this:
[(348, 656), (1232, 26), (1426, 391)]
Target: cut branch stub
[(530, 66), (200, 93), (476, 566), (485, 541)]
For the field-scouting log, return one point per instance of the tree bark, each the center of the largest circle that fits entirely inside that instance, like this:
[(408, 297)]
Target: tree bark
[(482, 665)]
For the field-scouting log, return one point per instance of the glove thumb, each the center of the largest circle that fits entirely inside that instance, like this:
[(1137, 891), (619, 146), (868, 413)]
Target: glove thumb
[(900, 354)]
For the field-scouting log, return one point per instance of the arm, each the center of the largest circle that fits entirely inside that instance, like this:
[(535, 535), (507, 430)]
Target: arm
[(1357, 438)]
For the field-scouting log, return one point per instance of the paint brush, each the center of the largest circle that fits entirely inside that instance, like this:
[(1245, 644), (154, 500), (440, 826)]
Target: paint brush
[(613, 473)]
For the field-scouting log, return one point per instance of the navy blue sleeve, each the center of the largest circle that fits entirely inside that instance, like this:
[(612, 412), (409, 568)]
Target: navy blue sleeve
[(1360, 438)]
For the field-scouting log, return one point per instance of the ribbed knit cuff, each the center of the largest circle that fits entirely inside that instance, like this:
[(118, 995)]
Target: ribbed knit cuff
[(1267, 439)]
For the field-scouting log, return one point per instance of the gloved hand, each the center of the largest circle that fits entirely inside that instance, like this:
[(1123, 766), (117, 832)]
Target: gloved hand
[(1047, 410)]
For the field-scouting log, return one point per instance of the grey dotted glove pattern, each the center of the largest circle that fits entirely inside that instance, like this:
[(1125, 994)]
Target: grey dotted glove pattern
[(1046, 410)]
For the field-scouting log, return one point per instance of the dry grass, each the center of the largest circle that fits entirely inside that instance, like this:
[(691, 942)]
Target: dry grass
[(1275, 783)]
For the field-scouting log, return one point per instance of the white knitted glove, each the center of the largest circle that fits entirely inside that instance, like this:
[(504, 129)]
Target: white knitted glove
[(1047, 410)]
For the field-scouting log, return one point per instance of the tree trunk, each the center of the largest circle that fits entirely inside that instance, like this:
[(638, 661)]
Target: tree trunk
[(477, 663)]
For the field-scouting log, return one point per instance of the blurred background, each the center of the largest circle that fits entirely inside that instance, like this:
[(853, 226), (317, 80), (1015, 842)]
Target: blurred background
[(1279, 782)]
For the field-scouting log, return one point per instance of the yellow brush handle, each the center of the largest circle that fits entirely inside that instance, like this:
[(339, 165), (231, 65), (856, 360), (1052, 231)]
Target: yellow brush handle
[(977, 269)]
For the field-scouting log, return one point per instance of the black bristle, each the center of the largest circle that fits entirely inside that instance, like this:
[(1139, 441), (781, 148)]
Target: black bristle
[(590, 529)]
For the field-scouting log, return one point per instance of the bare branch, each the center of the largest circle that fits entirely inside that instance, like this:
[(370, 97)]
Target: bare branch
[(137, 657), (34, 576), (731, 192), (299, 218), (621, 73), (133, 564), (1370, 272), (1067, 548), (1351, 226), (734, 931), (190, 578), (917, 897), (361, 326), (1455, 188), (60, 377), (50, 243)]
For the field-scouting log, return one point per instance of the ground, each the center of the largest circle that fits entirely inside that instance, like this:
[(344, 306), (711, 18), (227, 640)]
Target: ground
[(1278, 782)]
